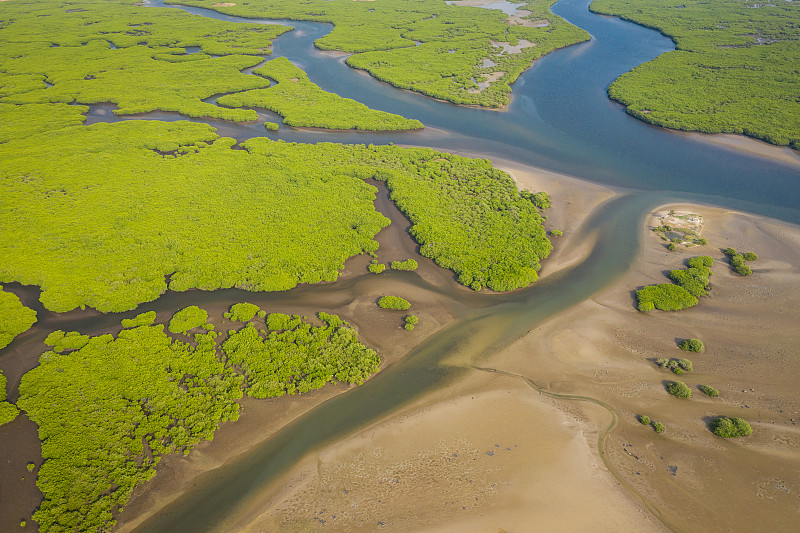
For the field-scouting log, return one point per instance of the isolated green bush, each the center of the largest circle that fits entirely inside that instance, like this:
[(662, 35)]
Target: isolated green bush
[(644, 420), (658, 427), (375, 267), (709, 391), (679, 389), (411, 321), (692, 345), (731, 427), (393, 302), (408, 264), (750, 256)]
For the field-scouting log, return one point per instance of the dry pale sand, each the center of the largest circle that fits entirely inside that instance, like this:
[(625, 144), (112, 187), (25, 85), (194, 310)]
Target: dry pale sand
[(489, 454), (604, 348)]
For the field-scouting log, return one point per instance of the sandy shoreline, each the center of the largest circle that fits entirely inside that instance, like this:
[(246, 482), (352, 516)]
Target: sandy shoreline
[(407, 471)]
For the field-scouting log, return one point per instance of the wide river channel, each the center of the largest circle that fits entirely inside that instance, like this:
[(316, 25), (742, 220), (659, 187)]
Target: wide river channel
[(560, 119)]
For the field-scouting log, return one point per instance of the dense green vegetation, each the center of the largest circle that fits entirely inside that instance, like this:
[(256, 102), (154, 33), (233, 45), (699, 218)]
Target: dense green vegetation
[(692, 282), (692, 345), (111, 408), (408, 264), (411, 322), (734, 70), (665, 297), (15, 318), (109, 411), (677, 366), (264, 218), (679, 389), (8, 411), (303, 104), (135, 57), (297, 357), (188, 318), (244, 312), (393, 302), (426, 45), (731, 427), (708, 390)]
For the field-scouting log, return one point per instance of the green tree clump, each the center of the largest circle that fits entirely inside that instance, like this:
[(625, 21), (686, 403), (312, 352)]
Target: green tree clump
[(109, 411), (691, 283), (393, 302), (15, 318), (242, 312), (303, 104), (644, 420), (665, 297), (188, 318), (679, 389), (142, 319), (270, 126), (692, 345), (750, 256), (708, 390), (658, 427), (734, 69), (731, 427), (737, 262), (411, 322), (693, 279), (300, 357), (556, 233), (408, 264), (8, 411), (61, 341), (375, 267), (677, 366)]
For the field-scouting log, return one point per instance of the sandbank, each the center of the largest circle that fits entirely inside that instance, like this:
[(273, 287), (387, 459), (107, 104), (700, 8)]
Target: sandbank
[(606, 349)]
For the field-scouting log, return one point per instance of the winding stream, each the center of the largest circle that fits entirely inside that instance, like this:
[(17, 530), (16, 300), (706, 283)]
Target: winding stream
[(560, 119)]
